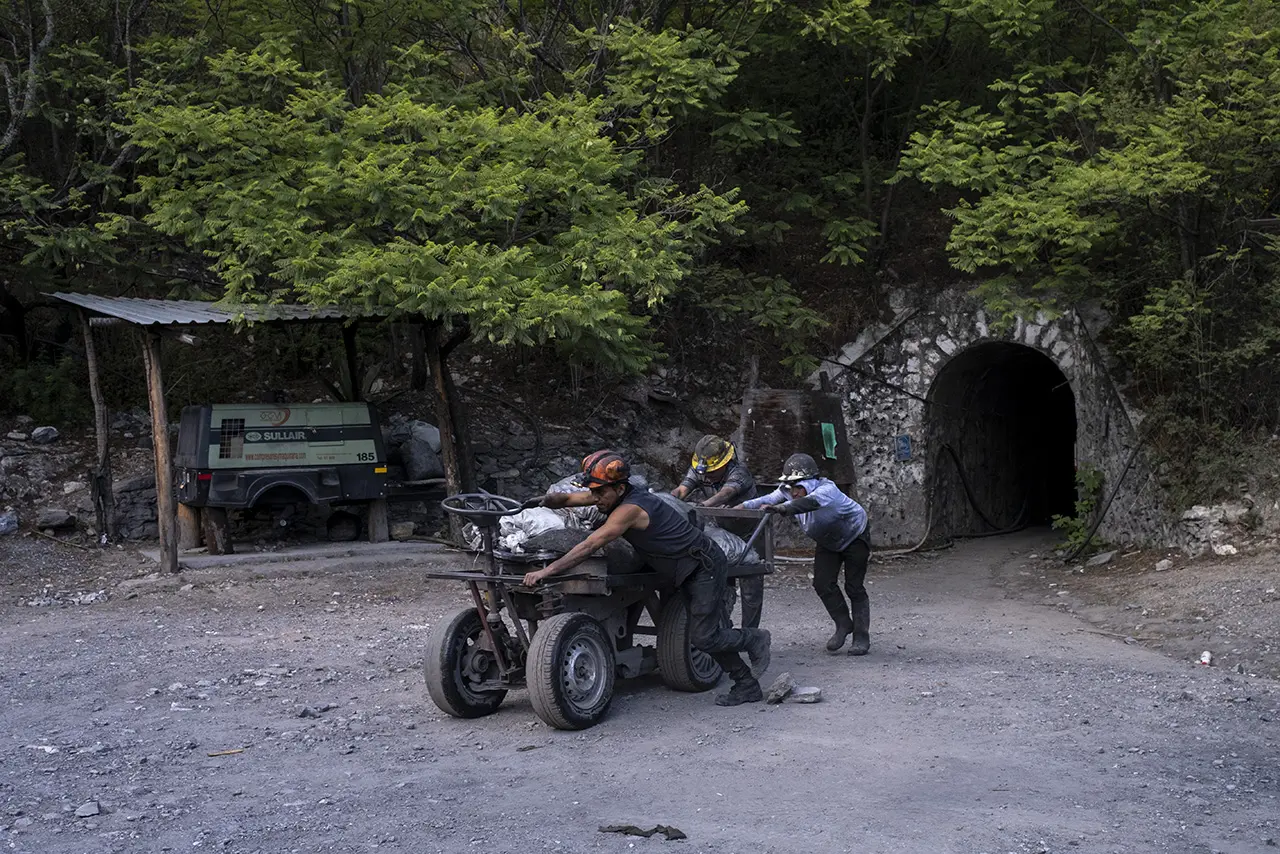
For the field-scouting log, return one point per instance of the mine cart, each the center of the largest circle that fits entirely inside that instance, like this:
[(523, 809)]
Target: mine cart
[(568, 639)]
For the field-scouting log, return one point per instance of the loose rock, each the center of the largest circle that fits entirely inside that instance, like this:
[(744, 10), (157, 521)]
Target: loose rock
[(780, 689), (88, 810), (808, 694)]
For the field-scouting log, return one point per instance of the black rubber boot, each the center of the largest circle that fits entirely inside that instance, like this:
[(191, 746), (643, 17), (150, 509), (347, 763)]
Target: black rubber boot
[(743, 691), (844, 625), (861, 628), (757, 650)]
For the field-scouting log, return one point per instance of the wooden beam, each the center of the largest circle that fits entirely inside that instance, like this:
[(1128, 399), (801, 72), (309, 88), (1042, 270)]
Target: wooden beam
[(166, 509), (379, 521), (188, 526), (217, 530), (100, 478)]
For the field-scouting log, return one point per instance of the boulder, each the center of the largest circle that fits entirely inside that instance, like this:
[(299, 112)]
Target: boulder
[(44, 435), (54, 517)]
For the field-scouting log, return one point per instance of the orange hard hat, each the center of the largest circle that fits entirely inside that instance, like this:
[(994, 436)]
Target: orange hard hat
[(603, 468)]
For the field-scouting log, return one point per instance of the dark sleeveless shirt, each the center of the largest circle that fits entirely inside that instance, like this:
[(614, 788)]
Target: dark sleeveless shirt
[(670, 540)]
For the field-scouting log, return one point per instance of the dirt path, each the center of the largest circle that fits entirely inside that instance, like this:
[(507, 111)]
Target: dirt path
[(983, 721)]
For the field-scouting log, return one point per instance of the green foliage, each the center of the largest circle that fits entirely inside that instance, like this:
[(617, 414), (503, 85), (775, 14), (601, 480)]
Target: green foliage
[(531, 224), (575, 175), (732, 298), (50, 393), (1089, 483)]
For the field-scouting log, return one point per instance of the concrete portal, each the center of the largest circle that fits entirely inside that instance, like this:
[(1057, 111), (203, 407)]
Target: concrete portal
[(1001, 421)]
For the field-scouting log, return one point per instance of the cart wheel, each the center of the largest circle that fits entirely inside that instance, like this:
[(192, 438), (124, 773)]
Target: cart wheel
[(682, 667), (456, 662), (571, 671)]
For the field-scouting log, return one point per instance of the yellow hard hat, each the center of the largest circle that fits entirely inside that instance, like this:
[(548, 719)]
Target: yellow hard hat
[(711, 453)]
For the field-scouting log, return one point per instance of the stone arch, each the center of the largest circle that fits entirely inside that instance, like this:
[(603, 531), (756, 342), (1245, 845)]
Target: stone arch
[(892, 375), (1000, 420)]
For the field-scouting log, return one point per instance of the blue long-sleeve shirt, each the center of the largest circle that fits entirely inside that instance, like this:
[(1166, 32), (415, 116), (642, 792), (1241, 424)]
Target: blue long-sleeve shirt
[(834, 523)]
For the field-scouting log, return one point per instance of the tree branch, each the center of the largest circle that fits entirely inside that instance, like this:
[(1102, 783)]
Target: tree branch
[(18, 113)]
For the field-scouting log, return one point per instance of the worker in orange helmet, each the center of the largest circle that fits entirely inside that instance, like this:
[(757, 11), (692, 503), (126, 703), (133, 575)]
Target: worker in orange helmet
[(683, 556)]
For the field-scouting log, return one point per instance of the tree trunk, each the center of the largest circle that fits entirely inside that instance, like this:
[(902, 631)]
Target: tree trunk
[(454, 447), (13, 324), (417, 357)]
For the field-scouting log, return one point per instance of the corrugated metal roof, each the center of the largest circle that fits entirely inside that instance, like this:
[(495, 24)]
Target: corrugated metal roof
[(182, 312)]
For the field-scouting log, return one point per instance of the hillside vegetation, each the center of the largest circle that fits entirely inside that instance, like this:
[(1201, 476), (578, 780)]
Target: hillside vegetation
[(601, 183)]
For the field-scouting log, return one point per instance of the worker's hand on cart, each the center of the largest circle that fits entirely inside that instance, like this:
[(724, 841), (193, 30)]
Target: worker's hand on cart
[(531, 579), (773, 508), (536, 501)]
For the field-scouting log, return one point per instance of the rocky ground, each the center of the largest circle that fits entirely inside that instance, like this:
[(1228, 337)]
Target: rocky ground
[(1010, 704)]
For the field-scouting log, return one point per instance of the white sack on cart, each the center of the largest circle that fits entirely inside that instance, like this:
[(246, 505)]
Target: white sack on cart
[(513, 531)]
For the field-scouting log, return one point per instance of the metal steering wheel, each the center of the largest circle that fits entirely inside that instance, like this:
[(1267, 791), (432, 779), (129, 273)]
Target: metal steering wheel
[(481, 508)]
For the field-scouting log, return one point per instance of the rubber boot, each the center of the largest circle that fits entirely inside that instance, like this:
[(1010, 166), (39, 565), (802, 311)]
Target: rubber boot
[(861, 628), (844, 625), (758, 647)]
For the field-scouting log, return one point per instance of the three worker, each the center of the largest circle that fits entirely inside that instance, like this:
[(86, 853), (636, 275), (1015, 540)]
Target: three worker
[(691, 563)]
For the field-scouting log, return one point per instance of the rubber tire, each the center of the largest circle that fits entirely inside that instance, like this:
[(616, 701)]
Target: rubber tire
[(676, 656), (443, 668), (547, 651)]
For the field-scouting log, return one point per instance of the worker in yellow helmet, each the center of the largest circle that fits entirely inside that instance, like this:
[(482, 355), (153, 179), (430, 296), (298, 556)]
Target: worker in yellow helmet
[(717, 478)]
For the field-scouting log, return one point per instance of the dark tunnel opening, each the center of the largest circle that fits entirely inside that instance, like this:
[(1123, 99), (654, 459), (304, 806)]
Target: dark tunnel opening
[(1004, 415)]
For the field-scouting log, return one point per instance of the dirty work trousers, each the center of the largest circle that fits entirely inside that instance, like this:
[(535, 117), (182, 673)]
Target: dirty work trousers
[(826, 576), (752, 599), (709, 630)]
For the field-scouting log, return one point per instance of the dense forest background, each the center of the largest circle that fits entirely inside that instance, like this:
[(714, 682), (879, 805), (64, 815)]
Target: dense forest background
[(605, 184)]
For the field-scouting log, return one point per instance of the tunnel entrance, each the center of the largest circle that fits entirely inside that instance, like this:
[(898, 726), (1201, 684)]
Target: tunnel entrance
[(1001, 419)]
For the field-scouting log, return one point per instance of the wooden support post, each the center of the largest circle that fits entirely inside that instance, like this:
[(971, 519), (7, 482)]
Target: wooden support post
[(353, 364), (217, 530), (188, 526), (100, 478), (379, 521), (166, 512)]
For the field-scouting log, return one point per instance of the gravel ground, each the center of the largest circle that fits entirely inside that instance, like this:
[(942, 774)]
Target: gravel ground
[(993, 715)]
